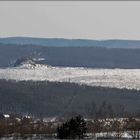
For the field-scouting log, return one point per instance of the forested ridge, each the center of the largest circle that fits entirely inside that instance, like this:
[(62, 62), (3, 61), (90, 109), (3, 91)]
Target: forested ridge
[(92, 57), (60, 99)]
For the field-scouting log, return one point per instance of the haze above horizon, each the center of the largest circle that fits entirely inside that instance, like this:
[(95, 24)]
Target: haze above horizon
[(71, 19)]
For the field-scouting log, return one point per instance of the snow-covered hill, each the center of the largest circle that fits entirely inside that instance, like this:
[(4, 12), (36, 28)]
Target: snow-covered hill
[(118, 78)]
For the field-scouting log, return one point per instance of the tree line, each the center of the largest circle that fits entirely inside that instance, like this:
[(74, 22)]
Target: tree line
[(76, 127)]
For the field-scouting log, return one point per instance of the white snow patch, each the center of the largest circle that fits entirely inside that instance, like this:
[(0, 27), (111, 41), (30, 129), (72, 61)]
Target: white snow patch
[(6, 115), (126, 135)]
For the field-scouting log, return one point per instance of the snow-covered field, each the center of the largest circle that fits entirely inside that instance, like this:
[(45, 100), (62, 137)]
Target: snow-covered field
[(118, 78)]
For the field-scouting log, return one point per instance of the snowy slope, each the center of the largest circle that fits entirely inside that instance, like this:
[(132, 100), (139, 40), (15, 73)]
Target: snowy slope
[(118, 78)]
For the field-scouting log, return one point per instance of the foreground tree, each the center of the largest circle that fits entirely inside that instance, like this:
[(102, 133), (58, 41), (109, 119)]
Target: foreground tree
[(75, 128)]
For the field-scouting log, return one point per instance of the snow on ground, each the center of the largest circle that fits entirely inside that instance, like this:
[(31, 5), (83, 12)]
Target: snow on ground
[(124, 135), (118, 78)]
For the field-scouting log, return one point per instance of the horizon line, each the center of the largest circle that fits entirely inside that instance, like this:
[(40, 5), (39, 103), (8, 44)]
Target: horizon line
[(90, 39)]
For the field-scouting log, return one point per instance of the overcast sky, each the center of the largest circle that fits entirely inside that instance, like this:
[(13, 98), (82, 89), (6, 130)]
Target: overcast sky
[(80, 19)]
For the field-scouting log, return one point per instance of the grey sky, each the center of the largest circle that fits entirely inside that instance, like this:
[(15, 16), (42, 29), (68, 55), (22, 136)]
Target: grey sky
[(80, 19)]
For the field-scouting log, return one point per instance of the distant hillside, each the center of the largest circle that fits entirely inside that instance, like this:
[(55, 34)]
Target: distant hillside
[(94, 57), (60, 99), (60, 42)]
